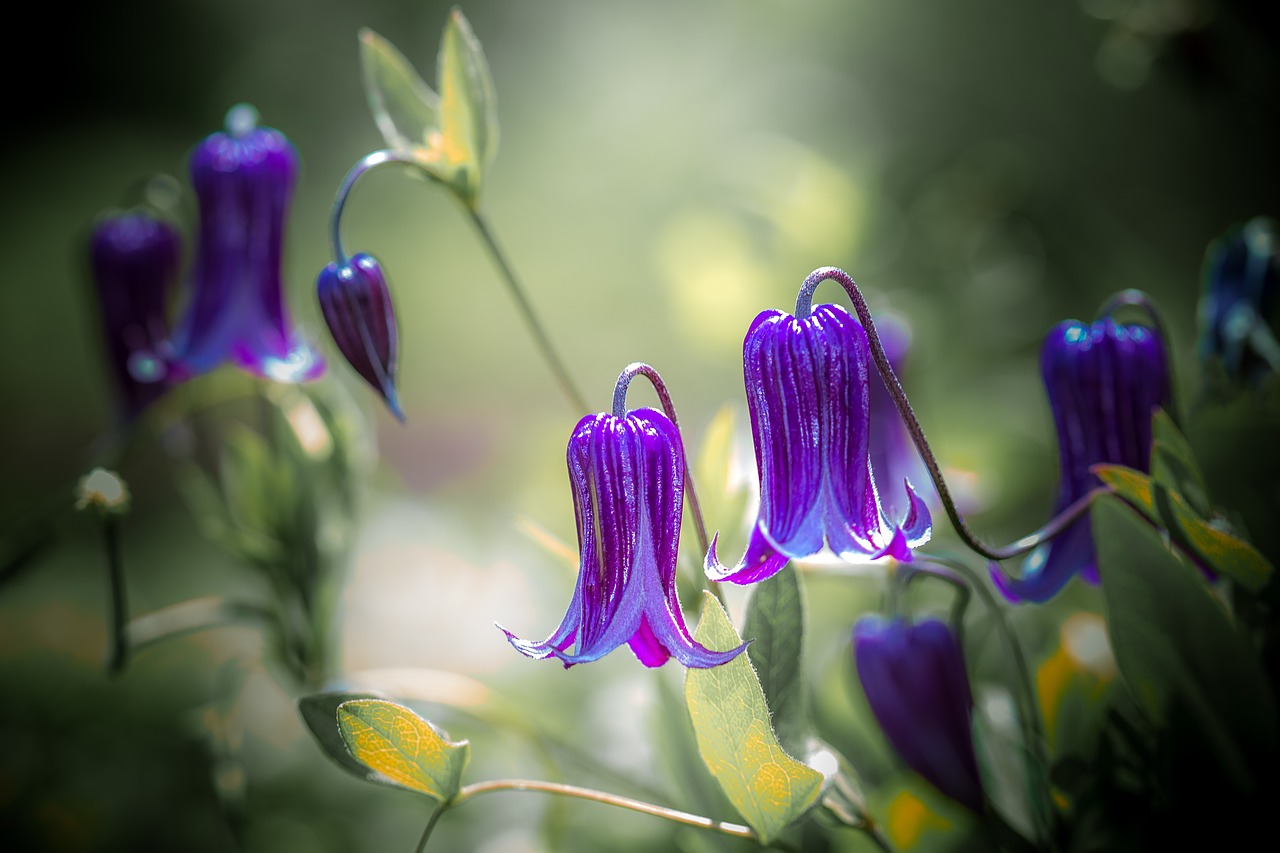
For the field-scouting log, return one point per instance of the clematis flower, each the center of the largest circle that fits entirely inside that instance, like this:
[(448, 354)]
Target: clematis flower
[(894, 457), (134, 258), (627, 472), (808, 396), (1104, 381), (1242, 275), (356, 304), (915, 681), (243, 179)]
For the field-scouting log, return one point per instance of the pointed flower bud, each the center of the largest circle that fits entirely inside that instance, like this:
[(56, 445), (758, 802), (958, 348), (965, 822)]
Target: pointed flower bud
[(243, 179), (915, 681), (808, 396), (627, 475), (356, 304), (134, 258), (1104, 382), (1241, 279)]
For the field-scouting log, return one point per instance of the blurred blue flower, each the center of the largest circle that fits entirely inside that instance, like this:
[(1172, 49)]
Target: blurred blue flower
[(627, 475), (1241, 278), (134, 258), (236, 312), (1104, 382), (915, 681), (809, 399), (356, 304)]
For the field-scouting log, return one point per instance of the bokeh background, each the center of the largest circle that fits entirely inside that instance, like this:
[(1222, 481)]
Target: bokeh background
[(985, 168)]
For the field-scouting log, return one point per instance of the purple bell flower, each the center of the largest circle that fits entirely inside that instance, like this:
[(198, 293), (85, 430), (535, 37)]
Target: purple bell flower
[(135, 258), (809, 399), (1241, 280), (1104, 382), (356, 304), (627, 475), (243, 179), (915, 681), (894, 457)]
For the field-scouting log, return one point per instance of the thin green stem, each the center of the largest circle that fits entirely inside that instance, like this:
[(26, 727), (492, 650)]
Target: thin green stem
[(430, 827), (907, 572), (1020, 546), (119, 603), (639, 368), (534, 325), (733, 829)]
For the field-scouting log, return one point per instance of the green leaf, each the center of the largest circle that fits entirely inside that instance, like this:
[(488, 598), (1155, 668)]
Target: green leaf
[(775, 626), (731, 723), (320, 713), (468, 107), (1175, 645), (1174, 464), (1222, 551), (405, 109), (401, 747)]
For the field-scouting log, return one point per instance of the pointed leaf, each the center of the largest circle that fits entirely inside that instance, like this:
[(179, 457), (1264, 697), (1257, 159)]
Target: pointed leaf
[(1175, 645), (402, 747), (405, 109), (468, 106), (1174, 464), (731, 723), (320, 713), (775, 626)]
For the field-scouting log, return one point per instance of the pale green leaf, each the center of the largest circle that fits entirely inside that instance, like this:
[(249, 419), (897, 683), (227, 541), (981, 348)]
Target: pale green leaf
[(775, 626), (405, 109), (737, 744), (468, 107), (1176, 646), (402, 747), (1174, 464)]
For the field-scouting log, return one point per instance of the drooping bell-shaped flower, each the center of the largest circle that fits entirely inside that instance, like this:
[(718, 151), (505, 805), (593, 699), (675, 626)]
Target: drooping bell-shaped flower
[(627, 472), (1104, 382), (356, 304), (243, 179), (1241, 280), (134, 258), (808, 396), (915, 681)]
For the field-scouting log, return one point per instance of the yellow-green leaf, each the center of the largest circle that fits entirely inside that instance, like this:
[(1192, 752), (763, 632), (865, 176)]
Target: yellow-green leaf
[(731, 723), (405, 109), (402, 747), (468, 107)]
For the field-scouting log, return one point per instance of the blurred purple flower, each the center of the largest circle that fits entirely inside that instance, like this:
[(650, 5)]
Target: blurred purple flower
[(894, 457), (627, 475), (1241, 280), (135, 258), (915, 681), (236, 312), (356, 304), (809, 398), (1104, 382)]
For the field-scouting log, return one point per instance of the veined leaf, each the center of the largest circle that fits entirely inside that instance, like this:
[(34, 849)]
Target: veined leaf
[(1175, 644), (468, 106), (775, 626), (405, 108), (403, 748), (731, 723), (320, 713)]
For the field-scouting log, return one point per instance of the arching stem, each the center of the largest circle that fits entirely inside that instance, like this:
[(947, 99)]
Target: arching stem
[(639, 368), (1020, 546)]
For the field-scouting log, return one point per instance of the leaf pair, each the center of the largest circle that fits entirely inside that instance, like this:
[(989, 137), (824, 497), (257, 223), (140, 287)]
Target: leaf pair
[(453, 135), (385, 743), (1175, 498)]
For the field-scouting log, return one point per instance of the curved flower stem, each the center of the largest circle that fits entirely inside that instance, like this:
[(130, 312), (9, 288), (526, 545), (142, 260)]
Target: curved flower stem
[(1139, 299), (1029, 716), (119, 602), (907, 572), (733, 829), (523, 305), (431, 825), (1020, 546), (639, 368)]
